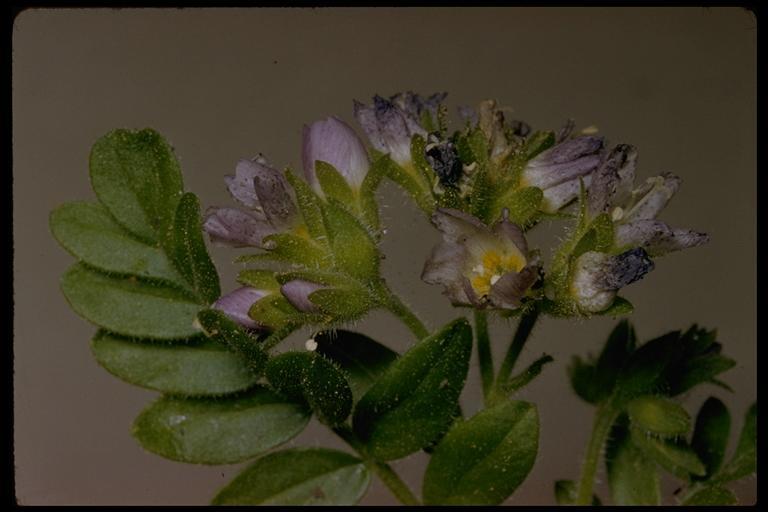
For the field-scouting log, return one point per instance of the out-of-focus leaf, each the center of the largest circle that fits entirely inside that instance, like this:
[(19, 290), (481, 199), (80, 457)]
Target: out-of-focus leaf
[(710, 435), (711, 496), (298, 476), (744, 460), (676, 457), (633, 478), (659, 416)]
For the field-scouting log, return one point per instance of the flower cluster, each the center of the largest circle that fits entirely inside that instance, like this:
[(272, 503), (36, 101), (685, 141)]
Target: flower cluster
[(482, 187)]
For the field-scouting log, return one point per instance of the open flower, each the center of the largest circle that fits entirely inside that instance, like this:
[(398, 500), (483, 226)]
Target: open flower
[(237, 303), (391, 124), (480, 266), (634, 211), (557, 170), (333, 141), (598, 276), (270, 208)]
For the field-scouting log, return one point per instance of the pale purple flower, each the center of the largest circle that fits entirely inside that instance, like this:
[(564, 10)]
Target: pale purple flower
[(237, 303), (334, 142), (556, 171), (270, 207), (297, 293), (391, 124), (634, 211), (598, 276), (478, 265)]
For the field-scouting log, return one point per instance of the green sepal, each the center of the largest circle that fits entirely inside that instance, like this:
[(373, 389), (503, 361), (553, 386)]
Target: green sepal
[(360, 357), (371, 182), (91, 235), (415, 400), (223, 430), (419, 159), (675, 456), (343, 304), (710, 435), (298, 476), (354, 250), (297, 250), (309, 205), (523, 205), (137, 177), (619, 307), (483, 460), (259, 279), (227, 333), (315, 276), (128, 305), (410, 181), (333, 183), (195, 368), (598, 237), (536, 143), (312, 378), (658, 416), (274, 311), (186, 249)]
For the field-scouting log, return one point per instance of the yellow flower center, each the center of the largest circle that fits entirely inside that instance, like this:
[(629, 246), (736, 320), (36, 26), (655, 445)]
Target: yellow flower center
[(494, 264)]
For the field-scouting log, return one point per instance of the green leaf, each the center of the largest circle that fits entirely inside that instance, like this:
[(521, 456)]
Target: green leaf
[(353, 248), (309, 205), (298, 476), (711, 496), (583, 381), (644, 370), (676, 457), (566, 493), (710, 436), (227, 333), (415, 400), (362, 359), (90, 234), (221, 430), (129, 306), (194, 369), (633, 478), (136, 176), (333, 183), (483, 460), (744, 460), (412, 182), (188, 252), (314, 379), (659, 416)]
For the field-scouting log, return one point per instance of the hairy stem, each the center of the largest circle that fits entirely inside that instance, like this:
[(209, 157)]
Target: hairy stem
[(383, 470), (524, 328), (394, 305), (484, 355), (604, 418)]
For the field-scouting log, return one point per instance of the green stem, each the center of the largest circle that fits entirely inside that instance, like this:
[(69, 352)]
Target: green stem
[(604, 418), (279, 335), (392, 302), (484, 355), (524, 328), (383, 470)]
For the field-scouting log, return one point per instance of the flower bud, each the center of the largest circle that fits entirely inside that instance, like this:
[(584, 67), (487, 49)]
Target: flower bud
[(236, 305), (333, 141)]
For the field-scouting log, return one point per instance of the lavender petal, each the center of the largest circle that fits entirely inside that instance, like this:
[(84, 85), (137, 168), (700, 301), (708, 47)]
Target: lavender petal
[(237, 303), (297, 293), (333, 141), (236, 228)]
